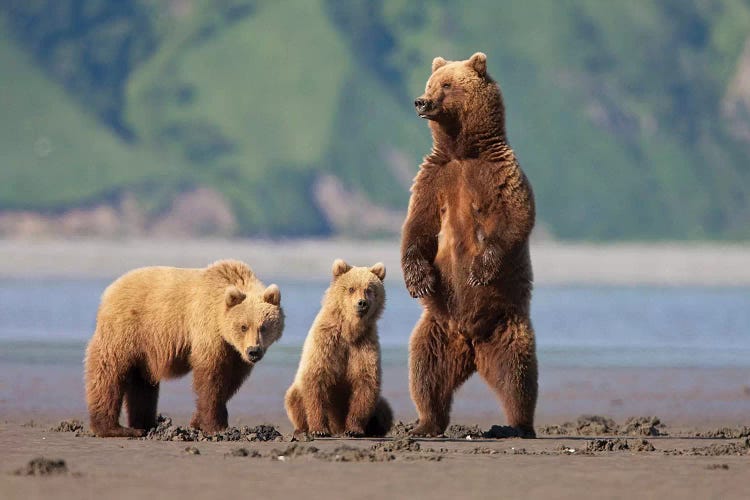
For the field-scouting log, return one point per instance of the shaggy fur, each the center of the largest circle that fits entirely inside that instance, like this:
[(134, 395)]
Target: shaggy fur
[(157, 323), (337, 387), (465, 252)]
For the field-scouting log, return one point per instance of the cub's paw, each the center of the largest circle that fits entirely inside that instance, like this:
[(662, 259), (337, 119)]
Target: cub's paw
[(320, 433), (354, 433)]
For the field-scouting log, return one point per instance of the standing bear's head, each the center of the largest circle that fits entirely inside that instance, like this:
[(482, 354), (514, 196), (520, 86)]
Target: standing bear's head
[(252, 321), (460, 92), (357, 292)]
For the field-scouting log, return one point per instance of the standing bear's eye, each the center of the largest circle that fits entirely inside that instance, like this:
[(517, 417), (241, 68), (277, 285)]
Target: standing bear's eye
[(446, 85), (243, 328)]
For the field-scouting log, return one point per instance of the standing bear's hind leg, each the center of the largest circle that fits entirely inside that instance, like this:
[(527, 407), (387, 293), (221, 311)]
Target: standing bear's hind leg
[(438, 364), (507, 362)]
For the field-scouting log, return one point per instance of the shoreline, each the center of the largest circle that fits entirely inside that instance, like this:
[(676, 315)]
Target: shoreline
[(554, 263)]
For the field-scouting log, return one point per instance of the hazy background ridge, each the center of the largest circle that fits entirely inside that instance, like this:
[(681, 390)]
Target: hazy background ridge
[(246, 118)]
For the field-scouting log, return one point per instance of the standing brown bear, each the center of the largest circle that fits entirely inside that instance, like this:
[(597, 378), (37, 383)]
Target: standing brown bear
[(337, 387), (465, 252), (157, 323)]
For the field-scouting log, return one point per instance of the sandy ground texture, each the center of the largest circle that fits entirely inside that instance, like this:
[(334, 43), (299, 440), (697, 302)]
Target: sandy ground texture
[(590, 457), (554, 263)]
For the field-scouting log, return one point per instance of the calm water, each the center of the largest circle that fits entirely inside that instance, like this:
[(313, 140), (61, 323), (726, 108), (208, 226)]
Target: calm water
[(49, 322)]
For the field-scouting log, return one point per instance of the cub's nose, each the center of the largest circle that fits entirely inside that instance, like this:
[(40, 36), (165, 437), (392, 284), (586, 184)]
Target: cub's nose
[(362, 306), (255, 353), (422, 105)]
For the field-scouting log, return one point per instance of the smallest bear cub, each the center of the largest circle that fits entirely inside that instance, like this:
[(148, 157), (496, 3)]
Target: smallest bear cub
[(157, 323), (337, 386)]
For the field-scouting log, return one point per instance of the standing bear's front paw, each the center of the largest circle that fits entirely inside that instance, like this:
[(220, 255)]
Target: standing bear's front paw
[(420, 278), (482, 270)]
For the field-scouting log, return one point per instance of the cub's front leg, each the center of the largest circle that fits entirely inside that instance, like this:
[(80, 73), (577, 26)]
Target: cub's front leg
[(364, 378)]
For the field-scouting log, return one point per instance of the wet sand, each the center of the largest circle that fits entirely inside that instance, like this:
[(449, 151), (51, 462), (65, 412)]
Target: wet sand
[(582, 458), (675, 466)]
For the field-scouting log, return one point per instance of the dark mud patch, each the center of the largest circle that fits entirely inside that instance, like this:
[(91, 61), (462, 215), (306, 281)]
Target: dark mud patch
[(166, 431), (717, 467), (192, 450), (597, 425), (41, 466), (244, 452)]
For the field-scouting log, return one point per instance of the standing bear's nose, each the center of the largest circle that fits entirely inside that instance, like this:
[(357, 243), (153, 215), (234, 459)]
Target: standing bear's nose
[(422, 105)]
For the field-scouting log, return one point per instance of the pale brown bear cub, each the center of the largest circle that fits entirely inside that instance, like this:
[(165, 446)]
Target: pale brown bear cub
[(157, 323), (337, 387)]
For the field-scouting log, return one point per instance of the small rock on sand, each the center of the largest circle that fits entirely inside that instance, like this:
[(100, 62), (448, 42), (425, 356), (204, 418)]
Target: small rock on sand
[(43, 467)]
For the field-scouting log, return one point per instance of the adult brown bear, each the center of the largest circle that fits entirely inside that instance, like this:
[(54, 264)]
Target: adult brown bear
[(465, 252)]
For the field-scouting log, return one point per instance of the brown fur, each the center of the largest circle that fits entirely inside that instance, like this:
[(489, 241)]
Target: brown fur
[(337, 387), (465, 252), (157, 323)]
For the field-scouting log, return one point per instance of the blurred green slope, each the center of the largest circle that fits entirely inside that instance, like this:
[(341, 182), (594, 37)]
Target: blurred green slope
[(613, 109)]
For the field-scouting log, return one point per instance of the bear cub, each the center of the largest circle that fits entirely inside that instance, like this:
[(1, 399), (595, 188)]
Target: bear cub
[(157, 323), (337, 387)]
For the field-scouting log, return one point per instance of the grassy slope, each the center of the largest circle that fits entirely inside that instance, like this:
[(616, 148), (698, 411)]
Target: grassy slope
[(53, 154)]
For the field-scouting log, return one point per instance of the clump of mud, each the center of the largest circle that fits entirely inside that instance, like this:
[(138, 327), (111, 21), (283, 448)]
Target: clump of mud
[(401, 429), (71, 426), (643, 426), (599, 445), (717, 467), (165, 431), (341, 453), (716, 450), (597, 425), (457, 431), (192, 450), (726, 433), (41, 466), (400, 445)]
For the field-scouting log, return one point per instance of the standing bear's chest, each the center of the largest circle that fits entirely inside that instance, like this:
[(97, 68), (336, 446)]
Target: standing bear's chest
[(470, 212)]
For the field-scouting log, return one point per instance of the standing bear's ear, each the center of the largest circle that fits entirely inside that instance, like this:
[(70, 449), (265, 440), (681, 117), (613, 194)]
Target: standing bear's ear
[(234, 296), (340, 267), (479, 62), (378, 270), (272, 295), (438, 63)]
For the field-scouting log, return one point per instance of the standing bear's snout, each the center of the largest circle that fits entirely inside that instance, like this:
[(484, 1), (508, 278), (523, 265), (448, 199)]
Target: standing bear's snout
[(422, 105)]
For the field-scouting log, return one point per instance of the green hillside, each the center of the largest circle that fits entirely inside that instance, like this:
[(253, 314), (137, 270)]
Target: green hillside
[(616, 111)]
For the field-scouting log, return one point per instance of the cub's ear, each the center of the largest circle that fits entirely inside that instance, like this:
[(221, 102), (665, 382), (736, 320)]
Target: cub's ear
[(438, 63), (234, 296), (479, 62), (378, 270), (272, 295), (340, 267)]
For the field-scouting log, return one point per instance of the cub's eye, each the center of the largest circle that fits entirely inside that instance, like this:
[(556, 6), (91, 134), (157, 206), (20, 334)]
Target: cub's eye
[(243, 328), (351, 289), (446, 85)]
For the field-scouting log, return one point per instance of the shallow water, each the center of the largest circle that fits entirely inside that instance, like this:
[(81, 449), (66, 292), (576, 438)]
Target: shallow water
[(680, 353), (50, 321)]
